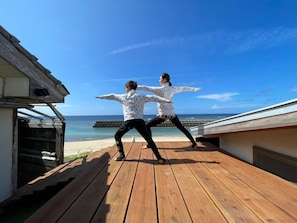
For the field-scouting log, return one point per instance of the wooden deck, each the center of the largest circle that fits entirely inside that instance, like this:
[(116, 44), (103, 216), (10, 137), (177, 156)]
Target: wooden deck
[(196, 185)]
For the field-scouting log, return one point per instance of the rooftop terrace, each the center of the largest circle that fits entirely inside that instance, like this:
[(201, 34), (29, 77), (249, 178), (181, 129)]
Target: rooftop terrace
[(196, 185)]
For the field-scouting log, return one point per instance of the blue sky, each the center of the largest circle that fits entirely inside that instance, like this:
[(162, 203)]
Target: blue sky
[(242, 53)]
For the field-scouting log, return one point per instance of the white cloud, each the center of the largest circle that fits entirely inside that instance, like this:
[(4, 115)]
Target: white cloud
[(249, 40), (130, 47), (129, 78), (219, 97), (233, 106), (224, 41), (162, 41), (214, 107)]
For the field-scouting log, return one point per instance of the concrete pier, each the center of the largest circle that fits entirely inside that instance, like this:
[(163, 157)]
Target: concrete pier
[(167, 123)]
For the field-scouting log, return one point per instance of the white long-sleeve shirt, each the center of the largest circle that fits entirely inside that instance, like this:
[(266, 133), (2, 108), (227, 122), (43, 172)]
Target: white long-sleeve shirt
[(166, 91), (133, 103)]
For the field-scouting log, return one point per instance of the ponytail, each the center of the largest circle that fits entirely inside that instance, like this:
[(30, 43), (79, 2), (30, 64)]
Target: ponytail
[(167, 77)]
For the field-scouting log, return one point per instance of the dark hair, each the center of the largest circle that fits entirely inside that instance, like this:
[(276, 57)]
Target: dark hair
[(131, 84), (167, 77)]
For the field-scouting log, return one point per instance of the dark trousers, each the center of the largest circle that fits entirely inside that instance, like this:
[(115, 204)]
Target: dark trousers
[(175, 120), (139, 125)]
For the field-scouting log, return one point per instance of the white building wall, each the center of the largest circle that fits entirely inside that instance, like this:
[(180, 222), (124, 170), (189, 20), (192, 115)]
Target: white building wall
[(17, 87), (238, 144), (6, 148), (282, 140)]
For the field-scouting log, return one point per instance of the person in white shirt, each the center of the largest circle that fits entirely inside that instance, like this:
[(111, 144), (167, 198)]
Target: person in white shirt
[(133, 105), (165, 110)]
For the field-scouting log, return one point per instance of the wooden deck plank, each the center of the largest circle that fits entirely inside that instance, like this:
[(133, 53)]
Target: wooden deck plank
[(199, 204), (61, 173), (114, 207), (271, 190), (88, 202), (39, 183), (284, 185), (230, 206), (170, 203), (259, 204), (142, 205), (196, 185), (67, 196)]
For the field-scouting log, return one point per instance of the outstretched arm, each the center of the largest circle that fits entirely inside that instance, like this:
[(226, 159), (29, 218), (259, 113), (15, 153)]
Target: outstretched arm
[(155, 90), (156, 98), (116, 97), (185, 88)]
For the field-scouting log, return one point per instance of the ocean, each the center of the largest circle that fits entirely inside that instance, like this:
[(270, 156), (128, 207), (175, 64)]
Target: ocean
[(80, 128)]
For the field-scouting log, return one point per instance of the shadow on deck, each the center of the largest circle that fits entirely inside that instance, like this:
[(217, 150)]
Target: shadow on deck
[(195, 185)]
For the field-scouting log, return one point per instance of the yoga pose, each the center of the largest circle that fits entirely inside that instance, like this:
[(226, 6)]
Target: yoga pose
[(166, 111), (133, 104)]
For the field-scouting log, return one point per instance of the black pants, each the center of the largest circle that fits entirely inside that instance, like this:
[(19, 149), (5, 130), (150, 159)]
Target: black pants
[(175, 120), (139, 125)]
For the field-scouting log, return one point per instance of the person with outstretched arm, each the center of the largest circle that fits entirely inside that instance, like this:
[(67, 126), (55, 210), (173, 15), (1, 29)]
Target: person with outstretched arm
[(165, 110), (133, 105)]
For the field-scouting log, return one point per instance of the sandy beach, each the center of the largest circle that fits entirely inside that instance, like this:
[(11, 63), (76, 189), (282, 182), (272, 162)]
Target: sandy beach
[(76, 148)]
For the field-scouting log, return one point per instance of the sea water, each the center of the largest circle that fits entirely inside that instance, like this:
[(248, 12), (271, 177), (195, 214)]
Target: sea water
[(80, 128)]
